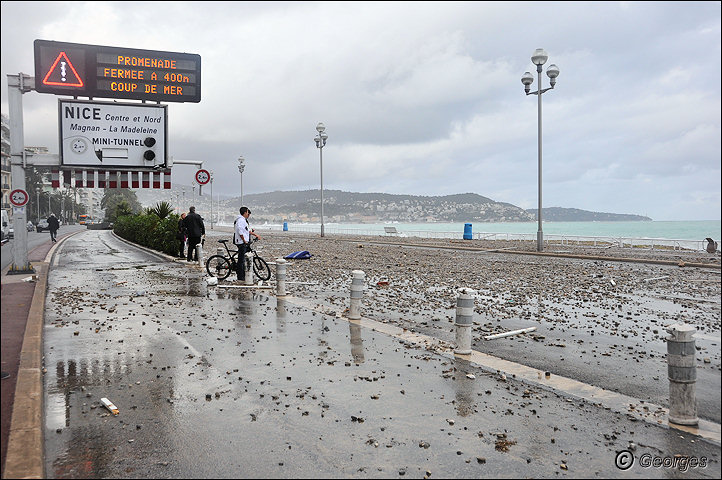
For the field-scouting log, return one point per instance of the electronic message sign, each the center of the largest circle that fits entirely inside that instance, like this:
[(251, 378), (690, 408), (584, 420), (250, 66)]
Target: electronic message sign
[(109, 134), (111, 72)]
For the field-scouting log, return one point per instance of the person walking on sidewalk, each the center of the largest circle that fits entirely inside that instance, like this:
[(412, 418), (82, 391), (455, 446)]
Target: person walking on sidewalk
[(195, 229), (181, 236), (53, 226)]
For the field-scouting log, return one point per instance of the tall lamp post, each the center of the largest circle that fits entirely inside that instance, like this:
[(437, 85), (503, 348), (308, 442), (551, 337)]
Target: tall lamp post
[(241, 167), (320, 140), (539, 58), (211, 199)]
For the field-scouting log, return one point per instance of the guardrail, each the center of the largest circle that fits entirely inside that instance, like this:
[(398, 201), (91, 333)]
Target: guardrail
[(550, 239), (599, 241)]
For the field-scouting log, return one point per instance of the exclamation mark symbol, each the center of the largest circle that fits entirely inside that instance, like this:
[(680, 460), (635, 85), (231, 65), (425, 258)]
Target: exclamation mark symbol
[(68, 75)]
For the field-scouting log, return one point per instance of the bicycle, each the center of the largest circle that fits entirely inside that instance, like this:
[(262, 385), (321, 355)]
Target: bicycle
[(221, 265)]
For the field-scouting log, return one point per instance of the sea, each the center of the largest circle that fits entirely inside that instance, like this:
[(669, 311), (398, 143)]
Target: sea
[(682, 231)]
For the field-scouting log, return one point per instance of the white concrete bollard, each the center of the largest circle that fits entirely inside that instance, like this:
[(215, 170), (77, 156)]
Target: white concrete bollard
[(682, 374), (199, 253), (357, 287), (464, 312), (281, 277), (249, 269)]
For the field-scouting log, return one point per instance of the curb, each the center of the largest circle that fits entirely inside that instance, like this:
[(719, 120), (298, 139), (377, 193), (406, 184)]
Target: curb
[(161, 255)]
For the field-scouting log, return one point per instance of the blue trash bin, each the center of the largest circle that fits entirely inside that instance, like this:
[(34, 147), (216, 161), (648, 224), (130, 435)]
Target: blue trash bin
[(285, 226), (467, 231)]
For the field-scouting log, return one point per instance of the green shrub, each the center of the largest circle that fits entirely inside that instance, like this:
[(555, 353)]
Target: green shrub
[(150, 231)]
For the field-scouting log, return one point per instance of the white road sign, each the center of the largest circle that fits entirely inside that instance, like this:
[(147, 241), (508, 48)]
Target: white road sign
[(203, 176), (18, 197), (104, 134)]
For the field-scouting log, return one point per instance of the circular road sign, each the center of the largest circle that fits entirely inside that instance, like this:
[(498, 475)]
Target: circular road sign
[(203, 176), (19, 197)]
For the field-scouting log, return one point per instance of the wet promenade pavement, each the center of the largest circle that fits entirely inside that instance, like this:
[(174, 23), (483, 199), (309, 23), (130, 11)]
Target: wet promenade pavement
[(236, 382)]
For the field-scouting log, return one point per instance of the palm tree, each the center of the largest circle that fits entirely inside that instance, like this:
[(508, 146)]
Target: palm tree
[(161, 209)]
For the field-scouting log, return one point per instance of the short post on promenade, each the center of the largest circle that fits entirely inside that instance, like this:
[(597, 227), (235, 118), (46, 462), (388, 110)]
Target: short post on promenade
[(357, 287), (682, 374), (199, 254), (280, 277), (464, 312), (249, 268)]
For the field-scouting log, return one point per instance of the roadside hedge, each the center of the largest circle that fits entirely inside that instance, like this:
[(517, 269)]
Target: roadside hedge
[(150, 231)]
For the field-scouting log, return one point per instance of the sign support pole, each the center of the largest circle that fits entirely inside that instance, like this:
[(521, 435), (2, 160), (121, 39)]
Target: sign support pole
[(17, 85)]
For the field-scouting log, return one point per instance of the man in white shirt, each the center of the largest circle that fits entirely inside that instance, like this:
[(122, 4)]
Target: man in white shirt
[(242, 238)]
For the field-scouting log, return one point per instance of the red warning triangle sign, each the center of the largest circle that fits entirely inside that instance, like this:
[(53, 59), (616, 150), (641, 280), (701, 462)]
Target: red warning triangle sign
[(63, 73)]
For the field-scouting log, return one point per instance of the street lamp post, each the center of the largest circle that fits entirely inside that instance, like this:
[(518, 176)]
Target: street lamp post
[(539, 58), (320, 140), (211, 200), (241, 167)]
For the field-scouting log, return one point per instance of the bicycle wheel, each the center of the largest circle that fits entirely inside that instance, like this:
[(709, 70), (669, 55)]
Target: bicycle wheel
[(218, 266), (260, 268)]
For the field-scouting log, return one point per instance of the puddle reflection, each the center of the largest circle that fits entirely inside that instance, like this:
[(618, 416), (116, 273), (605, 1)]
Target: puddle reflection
[(464, 388), (247, 303), (194, 286), (281, 311), (88, 456), (357, 348), (72, 377)]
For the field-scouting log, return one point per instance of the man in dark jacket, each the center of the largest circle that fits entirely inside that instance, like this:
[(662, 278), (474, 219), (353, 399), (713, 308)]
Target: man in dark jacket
[(53, 225), (195, 230)]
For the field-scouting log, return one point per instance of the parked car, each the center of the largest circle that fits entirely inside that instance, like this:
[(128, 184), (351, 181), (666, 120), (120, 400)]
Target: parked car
[(42, 226), (31, 227)]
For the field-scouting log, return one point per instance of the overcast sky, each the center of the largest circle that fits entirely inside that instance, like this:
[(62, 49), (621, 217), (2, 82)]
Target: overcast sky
[(424, 98)]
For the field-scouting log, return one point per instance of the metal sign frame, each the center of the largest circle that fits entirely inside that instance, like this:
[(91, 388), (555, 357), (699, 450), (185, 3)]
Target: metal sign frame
[(64, 68)]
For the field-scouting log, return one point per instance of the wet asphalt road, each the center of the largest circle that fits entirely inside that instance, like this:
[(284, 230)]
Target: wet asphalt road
[(219, 383), (34, 239)]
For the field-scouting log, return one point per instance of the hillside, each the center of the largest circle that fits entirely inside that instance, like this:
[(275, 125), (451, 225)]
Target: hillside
[(558, 214), (352, 207), (355, 207)]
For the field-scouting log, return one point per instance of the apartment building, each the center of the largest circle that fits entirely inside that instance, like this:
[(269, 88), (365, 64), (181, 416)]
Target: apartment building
[(6, 178)]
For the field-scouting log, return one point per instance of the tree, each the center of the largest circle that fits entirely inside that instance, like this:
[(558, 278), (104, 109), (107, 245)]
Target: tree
[(122, 209), (112, 200), (43, 202), (38, 196)]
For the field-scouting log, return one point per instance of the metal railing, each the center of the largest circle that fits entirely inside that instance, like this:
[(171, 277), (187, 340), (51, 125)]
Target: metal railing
[(589, 241)]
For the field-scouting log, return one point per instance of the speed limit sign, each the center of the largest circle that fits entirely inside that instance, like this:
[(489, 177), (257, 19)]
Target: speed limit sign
[(19, 197), (203, 177)]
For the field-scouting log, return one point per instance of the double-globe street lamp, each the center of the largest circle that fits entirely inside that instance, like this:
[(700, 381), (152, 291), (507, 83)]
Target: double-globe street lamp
[(539, 58), (320, 140), (241, 167)]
